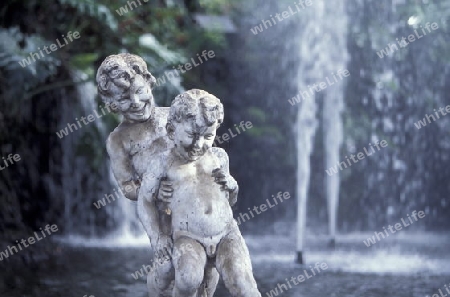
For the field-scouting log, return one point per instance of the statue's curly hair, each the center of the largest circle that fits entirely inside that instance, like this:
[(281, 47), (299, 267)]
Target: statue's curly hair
[(122, 68), (190, 104)]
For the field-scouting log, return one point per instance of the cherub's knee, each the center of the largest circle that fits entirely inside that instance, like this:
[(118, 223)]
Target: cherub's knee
[(159, 277), (241, 283), (233, 262), (189, 280), (188, 274)]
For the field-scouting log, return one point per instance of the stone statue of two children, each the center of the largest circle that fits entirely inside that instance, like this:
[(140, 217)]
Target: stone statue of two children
[(182, 184)]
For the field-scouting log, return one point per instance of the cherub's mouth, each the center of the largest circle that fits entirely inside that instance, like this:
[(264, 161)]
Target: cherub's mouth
[(195, 153), (140, 112)]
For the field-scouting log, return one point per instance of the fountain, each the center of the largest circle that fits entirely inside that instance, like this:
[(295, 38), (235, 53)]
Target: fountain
[(325, 28)]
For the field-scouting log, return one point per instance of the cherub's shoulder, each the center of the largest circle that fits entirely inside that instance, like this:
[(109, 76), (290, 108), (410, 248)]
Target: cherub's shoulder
[(121, 131), (126, 131), (161, 114), (162, 111), (115, 138)]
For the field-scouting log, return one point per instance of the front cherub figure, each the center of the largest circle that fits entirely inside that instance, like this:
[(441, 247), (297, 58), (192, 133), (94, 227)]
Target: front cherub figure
[(199, 192)]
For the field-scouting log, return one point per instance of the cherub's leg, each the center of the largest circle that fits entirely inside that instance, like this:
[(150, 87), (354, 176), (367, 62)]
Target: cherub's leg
[(233, 264), (160, 279), (210, 281), (142, 210), (189, 267)]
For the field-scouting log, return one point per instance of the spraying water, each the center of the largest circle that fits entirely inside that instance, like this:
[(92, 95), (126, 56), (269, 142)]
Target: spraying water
[(322, 53)]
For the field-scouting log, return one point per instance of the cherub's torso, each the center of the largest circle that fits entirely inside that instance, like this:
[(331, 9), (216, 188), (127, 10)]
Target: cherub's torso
[(198, 204)]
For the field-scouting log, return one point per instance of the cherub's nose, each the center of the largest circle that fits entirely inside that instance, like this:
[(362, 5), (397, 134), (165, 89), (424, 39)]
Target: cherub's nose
[(134, 99), (199, 142)]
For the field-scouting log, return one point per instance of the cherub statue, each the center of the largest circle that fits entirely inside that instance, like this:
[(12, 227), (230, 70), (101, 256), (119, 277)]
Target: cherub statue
[(125, 83), (124, 80), (194, 181)]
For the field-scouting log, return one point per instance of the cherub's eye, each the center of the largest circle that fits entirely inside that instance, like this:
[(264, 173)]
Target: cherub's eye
[(124, 75), (209, 136), (136, 69), (123, 100), (190, 135)]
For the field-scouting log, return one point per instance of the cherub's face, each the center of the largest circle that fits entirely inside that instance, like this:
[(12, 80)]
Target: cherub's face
[(193, 138), (130, 92), (136, 103)]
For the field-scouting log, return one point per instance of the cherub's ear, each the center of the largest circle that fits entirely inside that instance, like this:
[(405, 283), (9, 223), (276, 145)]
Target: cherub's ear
[(151, 80), (170, 130), (103, 82), (112, 105)]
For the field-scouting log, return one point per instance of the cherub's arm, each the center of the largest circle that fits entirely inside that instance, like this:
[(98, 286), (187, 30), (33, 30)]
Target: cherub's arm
[(147, 210), (152, 218), (121, 166), (223, 177)]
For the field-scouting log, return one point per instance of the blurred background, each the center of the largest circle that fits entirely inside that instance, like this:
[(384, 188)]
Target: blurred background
[(256, 74)]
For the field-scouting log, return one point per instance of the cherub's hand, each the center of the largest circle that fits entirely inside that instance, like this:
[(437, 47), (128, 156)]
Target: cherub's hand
[(131, 189), (227, 182), (232, 199), (165, 191)]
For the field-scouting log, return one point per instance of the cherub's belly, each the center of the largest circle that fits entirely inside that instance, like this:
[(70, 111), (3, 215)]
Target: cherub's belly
[(200, 208)]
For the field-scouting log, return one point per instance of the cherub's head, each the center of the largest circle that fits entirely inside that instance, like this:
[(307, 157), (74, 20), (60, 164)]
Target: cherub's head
[(193, 120), (124, 82)]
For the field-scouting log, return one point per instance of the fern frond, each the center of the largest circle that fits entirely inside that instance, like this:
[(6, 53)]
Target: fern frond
[(95, 10)]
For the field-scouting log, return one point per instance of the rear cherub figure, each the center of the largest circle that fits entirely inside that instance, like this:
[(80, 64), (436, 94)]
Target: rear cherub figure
[(195, 183)]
